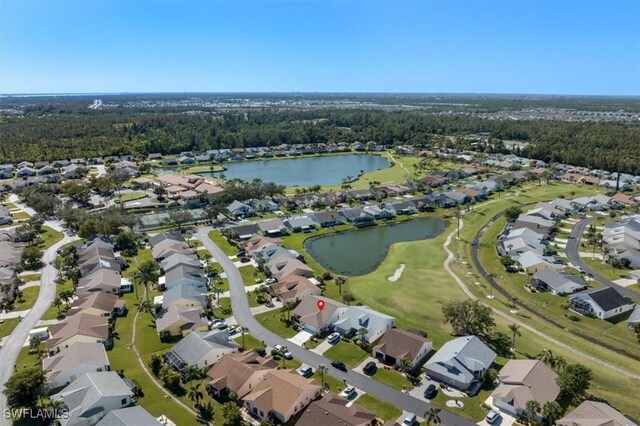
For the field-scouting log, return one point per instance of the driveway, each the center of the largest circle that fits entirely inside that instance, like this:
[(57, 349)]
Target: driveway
[(13, 344), (572, 250), (322, 347), (241, 311), (300, 338)]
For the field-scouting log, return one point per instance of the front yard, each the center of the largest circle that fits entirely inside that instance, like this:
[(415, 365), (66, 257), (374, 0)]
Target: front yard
[(382, 409), (272, 320), (348, 353), (7, 326), (222, 242)]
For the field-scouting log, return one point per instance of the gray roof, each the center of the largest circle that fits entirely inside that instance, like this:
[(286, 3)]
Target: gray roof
[(635, 316), (183, 292), (300, 222), (557, 280), (156, 239), (606, 298), (130, 416), (327, 216), (459, 358), (185, 271), (195, 346), (176, 259)]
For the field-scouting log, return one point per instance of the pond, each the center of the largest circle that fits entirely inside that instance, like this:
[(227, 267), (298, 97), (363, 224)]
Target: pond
[(303, 171), (360, 252)]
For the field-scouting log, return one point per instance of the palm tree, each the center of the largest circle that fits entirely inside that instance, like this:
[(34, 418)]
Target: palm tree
[(217, 289), (146, 274), (192, 372), (515, 329), (547, 357), (432, 415), (57, 303), (404, 364), (243, 330), (532, 407), (287, 307), (551, 411), (340, 281), (362, 333), (321, 370), (559, 363), (195, 394), (283, 350)]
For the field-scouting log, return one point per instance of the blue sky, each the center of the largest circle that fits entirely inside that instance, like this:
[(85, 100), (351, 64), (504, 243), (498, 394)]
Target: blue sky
[(561, 47)]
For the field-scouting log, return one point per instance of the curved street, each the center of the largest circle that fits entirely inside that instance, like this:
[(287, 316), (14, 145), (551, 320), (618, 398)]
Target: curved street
[(242, 314), (572, 250)]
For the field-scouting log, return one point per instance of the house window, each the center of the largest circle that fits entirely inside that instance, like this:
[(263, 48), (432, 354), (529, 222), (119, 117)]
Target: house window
[(123, 401)]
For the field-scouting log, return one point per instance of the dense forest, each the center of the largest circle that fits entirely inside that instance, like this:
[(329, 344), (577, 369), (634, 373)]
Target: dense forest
[(48, 131)]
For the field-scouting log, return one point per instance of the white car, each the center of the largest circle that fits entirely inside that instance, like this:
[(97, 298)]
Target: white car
[(333, 338), (286, 354), (305, 370), (492, 416), (410, 420), (348, 392)]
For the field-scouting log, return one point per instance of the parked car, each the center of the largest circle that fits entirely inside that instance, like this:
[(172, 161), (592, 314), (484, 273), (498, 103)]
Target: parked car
[(270, 280), (333, 338), (492, 416), (245, 260), (286, 354), (261, 351), (339, 365), (430, 392), (232, 331), (348, 392), (305, 370), (370, 368), (410, 420)]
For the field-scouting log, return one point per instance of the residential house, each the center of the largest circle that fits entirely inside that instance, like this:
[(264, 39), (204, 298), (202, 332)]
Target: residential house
[(25, 172), (5, 216), (256, 242), (335, 410), (317, 321), (163, 236), (177, 259), (593, 413), (186, 275), (300, 223), (103, 280), (521, 381), (271, 251), (240, 209), (403, 207), (99, 303), (282, 266), (397, 344), (184, 295), (238, 373), (91, 396), (634, 318), (533, 262), (201, 349), (622, 200), (558, 283), (624, 233), (603, 303), (66, 366), (461, 362), (74, 171), (244, 231), (363, 317), (271, 227), (356, 216), (169, 247), (130, 416), (179, 320), (294, 288), (78, 328), (280, 394), (6, 171), (327, 218)]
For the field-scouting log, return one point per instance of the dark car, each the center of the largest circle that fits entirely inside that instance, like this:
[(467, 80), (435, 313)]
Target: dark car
[(245, 260), (370, 368), (261, 351), (430, 392), (339, 365)]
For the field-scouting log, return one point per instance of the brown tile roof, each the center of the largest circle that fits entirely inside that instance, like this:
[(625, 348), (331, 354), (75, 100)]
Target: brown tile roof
[(234, 371), (523, 380), (308, 311), (400, 344), (332, 410), (293, 287), (258, 241), (80, 324), (187, 317), (98, 300), (592, 413), (279, 390), (79, 353), (625, 199)]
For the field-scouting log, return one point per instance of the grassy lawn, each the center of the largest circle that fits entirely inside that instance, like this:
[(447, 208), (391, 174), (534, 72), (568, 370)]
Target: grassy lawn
[(224, 308), (250, 342), (9, 206), (30, 277), (19, 216), (52, 312), (250, 274), (7, 326), (350, 354), (253, 299), (382, 409), (222, 242), (392, 378), (272, 321), (29, 296), (604, 269), (130, 196), (49, 237)]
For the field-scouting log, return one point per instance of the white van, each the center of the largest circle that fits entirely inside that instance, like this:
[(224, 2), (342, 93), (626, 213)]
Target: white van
[(410, 420)]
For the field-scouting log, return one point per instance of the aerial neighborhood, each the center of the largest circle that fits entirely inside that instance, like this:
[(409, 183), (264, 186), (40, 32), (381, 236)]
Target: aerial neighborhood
[(442, 285)]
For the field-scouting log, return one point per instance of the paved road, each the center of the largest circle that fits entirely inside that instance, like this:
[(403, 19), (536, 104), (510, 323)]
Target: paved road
[(13, 344), (241, 312), (573, 248)]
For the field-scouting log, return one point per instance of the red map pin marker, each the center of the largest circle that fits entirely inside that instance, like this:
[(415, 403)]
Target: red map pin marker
[(320, 304)]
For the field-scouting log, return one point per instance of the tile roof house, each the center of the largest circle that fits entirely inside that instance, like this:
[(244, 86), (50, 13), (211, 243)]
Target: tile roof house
[(179, 320), (523, 380), (163, 236), (592, 413), (272, 227), (130, 416), (315, 321), (63, 368), (238, 373), (184, 295), (558, 283), (397, 344), (98, 303), (327, 218), (258, 241), (280, 394), (91, 396), (177, 259), (78, 328), (461, 362), (282, 266), (294, 288), (201, 349), (603, 303), (335, 410), (102, 280)]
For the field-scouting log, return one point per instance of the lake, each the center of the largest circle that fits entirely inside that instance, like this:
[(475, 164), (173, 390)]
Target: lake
[(361, 251), (303, 171)]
